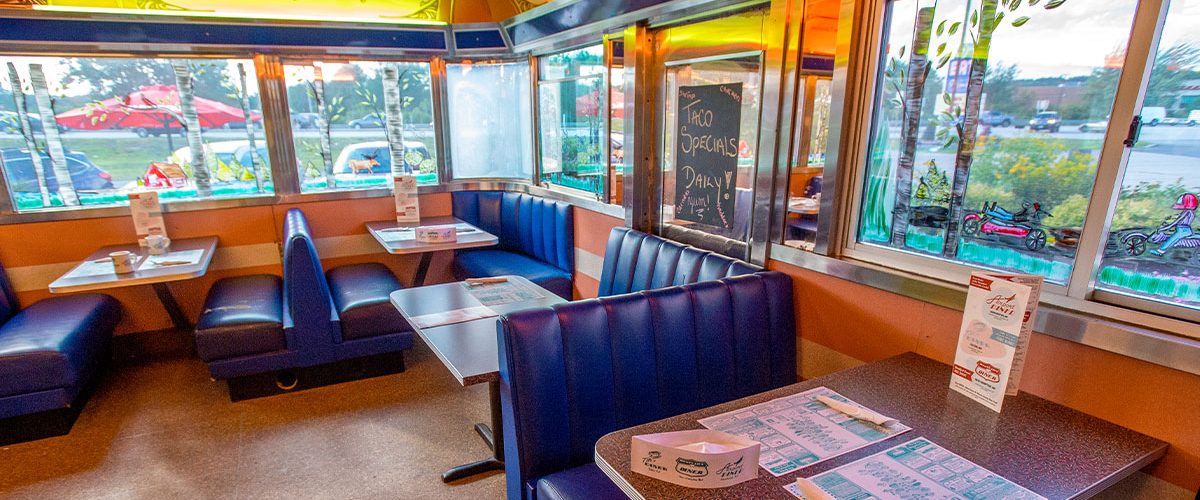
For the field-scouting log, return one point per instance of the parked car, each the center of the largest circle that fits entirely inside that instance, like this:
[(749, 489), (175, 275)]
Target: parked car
[(995, 119), (85, 175), (1154, 115), (258, 124), (158, 131), (232, 153), (1096, 126), (1193, 118), (372, 157), (305, 120), (1046, 120), (368, 121)]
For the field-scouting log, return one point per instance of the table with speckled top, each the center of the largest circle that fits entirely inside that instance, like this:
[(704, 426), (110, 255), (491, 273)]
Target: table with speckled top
[(1053, 450)]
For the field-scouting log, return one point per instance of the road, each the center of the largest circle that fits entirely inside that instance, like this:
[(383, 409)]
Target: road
[(1164, 155)]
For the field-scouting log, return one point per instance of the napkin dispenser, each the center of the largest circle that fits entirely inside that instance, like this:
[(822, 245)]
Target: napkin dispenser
[(436, 234), (695, 459)]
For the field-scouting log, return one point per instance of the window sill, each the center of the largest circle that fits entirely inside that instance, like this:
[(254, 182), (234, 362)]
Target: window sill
[(104, 211), (1163, 341)]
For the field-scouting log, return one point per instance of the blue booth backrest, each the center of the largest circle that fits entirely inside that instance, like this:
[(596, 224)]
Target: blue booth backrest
[(636, 261), (307, 303), (8, 299), (579, 370), (537, 227)]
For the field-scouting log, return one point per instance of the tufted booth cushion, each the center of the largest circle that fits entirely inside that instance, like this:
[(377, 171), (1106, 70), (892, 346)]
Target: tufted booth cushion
[(635, 261), (360, 295), (536, 228), (55, 343), (242, 315), (576, 371), (584, 482)]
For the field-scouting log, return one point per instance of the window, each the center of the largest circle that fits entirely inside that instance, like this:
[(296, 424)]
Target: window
[(806, 175), (489, 120), (1153, 249), (122, 125), (990, 159), (341, 128), (572, 109)]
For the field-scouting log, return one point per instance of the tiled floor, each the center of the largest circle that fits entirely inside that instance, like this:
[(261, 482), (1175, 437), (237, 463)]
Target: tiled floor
[(164, 430)]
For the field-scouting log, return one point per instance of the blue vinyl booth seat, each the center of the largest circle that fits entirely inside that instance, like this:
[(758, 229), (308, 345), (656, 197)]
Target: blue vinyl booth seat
[(261, 324), (676, 329), (536, 239), (51, 351)]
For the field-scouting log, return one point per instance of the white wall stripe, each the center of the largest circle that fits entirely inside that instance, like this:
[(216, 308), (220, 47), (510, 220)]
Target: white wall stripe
[(588, 263)]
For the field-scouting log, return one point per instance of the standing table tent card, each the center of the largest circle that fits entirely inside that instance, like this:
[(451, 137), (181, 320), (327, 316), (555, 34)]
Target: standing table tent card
[(408, 208), (147, 215), (997, 323)]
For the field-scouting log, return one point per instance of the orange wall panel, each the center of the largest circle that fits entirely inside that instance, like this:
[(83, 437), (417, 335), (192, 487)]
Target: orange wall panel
[(869, 324)]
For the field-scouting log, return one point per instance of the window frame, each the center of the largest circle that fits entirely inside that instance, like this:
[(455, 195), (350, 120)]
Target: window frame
[(444, 125), (1081, 293), (605, 196), (9, 214)]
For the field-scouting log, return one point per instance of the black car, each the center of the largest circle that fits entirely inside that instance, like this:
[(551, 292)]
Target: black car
[(305, 120), (369, 121), (85, 175), (1046, 120)]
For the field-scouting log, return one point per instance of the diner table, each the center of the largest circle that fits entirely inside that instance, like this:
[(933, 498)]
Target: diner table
[(469, 349), (186, 259), (400, 239), (1052, 450)]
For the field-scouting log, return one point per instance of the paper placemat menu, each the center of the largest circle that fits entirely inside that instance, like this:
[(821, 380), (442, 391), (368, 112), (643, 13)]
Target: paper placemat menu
[(797, 431), (508, 292), (173, 259), (452, 317), (916, 470), (99, 267)]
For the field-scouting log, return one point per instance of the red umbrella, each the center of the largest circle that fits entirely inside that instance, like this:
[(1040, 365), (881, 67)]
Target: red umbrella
[(152, 106)]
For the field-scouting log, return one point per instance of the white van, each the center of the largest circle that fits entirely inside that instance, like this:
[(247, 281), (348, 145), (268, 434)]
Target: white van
[(1193, 118), (1153, 115)]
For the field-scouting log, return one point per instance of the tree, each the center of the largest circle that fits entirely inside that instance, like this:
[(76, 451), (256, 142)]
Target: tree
[(259, 173), (1002, 91), (26, 129), (394, 122), (54, 147), (191, 123), (917, 70), (988, 16)]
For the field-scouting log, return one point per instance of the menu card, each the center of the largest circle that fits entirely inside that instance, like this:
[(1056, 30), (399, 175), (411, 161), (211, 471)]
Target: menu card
[(916, 470), (799, 430), (408, 208), (997, 325), (147, 215)]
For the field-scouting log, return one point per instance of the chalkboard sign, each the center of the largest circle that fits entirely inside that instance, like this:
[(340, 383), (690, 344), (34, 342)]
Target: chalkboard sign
[(707, 127)]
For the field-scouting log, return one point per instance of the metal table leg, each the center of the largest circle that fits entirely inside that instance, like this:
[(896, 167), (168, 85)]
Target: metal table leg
[(173, 310), (494, 437), (422, 269)]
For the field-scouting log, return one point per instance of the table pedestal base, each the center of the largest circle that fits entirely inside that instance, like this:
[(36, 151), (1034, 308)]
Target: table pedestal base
[(495, 441)]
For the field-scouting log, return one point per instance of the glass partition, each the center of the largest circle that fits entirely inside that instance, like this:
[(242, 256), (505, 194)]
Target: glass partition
[(123, 124), (489, 122), (339, 114)]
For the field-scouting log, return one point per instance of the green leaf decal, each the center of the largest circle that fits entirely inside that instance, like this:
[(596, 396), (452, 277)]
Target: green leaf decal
[(1020, 21)]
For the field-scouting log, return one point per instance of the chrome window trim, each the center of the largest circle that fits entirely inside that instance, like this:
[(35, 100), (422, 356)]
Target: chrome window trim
[(1147, 337)]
